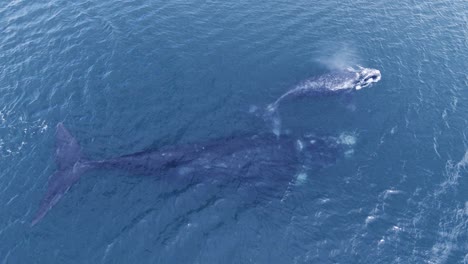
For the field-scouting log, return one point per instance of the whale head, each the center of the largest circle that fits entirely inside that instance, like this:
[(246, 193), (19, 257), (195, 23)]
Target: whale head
[(366, 77)]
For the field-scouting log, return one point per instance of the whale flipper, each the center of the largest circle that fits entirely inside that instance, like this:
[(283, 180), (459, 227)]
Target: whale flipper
[(70, 166)]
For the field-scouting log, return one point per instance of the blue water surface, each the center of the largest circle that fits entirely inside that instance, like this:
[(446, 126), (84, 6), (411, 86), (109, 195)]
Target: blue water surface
[(125, 76)]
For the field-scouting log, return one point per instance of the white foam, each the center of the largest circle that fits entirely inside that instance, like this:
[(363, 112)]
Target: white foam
[(43, 128), (454, 103), (370, 219), (347, 139), (300, 145), (301, 178), (453, 172), (381, 241), (253, 109), (453, 219), (389, 192), (349, 153), (324, 200)]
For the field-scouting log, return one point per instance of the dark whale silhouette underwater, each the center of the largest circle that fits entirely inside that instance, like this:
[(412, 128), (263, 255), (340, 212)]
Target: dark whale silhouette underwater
[(254, 159)]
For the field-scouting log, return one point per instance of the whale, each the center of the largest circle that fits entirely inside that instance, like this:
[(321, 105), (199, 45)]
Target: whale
[(332, 83), (337, 82), (254, 160)]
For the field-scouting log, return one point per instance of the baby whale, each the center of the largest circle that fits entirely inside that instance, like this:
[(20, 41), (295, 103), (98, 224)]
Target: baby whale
[(259, 160), (332, 83)]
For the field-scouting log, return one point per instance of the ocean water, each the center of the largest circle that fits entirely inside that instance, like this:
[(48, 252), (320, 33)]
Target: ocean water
[(125, 76)]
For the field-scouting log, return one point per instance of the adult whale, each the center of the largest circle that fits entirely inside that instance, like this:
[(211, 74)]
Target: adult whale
[(253, 159)]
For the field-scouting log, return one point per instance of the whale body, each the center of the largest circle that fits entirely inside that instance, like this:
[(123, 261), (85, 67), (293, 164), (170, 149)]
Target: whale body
[(336, 82), (330, 84), (253, 159)]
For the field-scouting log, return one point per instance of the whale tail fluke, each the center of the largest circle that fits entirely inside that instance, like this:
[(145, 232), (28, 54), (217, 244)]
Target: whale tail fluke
[(70, 166)]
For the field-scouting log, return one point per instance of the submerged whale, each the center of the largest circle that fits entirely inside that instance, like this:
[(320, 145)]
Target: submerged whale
[(332, 83), (253, 159)]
